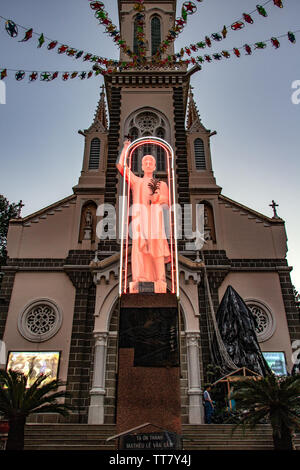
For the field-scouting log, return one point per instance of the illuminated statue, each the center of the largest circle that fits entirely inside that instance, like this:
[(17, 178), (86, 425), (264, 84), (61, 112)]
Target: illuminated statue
[(150, 250)]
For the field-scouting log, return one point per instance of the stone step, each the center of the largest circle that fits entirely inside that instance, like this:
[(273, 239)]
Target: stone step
[(81, 447), (195, 437), (67, 440)]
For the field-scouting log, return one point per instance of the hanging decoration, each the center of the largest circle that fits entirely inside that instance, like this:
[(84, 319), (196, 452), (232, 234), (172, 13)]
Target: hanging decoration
[(291, 37), (226, 54), (52, 45), (248, 48), (33, 76), (261, 11), (111, 29), (139, 58), (188, 8), (260, 45), (139, 7), (97, 5), (20, 75), (41, 40), (235, 26), (45, 76), (248, 18), (11, 28), (28, 35), (224, 32), (275, 43), (3, 74)]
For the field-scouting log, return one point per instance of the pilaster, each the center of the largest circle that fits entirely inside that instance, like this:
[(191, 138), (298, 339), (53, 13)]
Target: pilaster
[(194, 388), (98, 392)]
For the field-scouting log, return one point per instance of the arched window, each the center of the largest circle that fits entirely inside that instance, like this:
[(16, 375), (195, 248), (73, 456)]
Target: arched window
[(155, 34), (135, 41), (147, 122), (199, 154), (160, 153), (94, 154), (134, 134)]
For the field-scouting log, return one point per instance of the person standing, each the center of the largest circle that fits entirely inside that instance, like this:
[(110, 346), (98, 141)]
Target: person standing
[(208, 404)]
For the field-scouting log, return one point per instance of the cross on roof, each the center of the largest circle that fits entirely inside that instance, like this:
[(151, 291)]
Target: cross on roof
[(19, 208), (274, 205)]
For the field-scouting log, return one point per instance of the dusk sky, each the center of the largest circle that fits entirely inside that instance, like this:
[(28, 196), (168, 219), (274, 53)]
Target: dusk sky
[(247, 100)]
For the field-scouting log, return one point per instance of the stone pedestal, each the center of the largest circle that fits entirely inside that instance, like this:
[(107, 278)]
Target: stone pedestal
[(149, 369)]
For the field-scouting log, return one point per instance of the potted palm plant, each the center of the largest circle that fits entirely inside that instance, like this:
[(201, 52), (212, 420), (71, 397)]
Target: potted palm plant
[(271, 398), (20, 396)]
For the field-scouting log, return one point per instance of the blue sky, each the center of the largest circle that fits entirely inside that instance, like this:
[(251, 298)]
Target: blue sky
[(247, 101)]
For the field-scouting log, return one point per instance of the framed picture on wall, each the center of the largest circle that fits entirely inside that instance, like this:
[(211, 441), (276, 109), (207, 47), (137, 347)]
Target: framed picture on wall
[(276, 361), (41, 362)]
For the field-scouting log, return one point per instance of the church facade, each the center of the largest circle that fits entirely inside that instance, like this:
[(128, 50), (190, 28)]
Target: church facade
[(59, 295)]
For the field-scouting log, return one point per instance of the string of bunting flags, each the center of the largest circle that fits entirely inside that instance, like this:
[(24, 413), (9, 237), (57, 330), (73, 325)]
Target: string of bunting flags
[(247, 18), (170, 60), (199, 60), (188, 8), (248, 48), (12, 29), (139, 7), (110, 28), (139, 56), (46, 76)]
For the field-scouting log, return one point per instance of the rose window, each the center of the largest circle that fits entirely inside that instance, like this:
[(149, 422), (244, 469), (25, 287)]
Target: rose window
[(40, 321), (147, 122), (264, 322)]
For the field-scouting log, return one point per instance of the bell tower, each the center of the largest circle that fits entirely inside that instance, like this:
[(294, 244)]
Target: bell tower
[(149, 99), (159, 18), (159, 92)]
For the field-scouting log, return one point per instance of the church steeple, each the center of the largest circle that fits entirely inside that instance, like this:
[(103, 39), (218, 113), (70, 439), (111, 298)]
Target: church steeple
[(95, 147), (101, 114), (194, 123), (193, 113), (200, 164)]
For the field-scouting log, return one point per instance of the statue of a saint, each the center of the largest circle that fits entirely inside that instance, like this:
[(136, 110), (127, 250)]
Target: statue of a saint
[(88, 219), (150, 249)]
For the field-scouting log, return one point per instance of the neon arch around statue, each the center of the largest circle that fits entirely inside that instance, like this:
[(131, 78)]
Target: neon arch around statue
[(133, 181)]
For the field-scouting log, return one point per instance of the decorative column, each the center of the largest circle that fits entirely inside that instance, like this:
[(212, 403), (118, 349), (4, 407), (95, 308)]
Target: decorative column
[(194, 390), (97, 393)]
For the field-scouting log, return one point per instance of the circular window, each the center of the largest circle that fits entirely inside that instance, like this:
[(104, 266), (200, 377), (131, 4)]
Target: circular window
[(264, 320), (40, 320)]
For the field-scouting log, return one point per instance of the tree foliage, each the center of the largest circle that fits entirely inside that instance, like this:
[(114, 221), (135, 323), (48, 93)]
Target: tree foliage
[(274, 399), (7, 211)]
